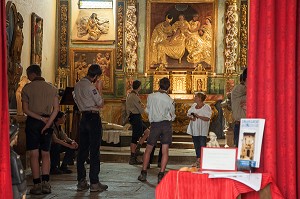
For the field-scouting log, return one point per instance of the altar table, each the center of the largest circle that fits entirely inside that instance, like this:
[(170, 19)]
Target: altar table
[(187, 185)]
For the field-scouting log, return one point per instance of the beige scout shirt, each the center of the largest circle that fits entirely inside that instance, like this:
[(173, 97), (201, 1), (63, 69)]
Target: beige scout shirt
[(238, 96), (87, 96), (134, 104), (40, 96)]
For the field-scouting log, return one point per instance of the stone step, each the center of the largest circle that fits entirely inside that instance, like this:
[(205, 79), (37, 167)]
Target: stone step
[(176, 156), (176, 145), (182, 138)]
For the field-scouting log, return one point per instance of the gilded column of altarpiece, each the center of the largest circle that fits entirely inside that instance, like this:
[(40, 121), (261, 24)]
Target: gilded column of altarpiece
[(120, 35), (63, 33)]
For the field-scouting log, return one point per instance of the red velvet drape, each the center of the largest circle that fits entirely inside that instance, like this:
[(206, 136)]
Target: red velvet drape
[(273, 87), (5, 176)]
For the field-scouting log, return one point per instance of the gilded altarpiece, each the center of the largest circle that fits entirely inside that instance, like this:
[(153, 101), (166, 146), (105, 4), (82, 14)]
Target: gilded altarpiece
[(182, 35)]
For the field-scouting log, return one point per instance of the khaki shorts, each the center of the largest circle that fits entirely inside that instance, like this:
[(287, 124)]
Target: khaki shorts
[(160, 131)]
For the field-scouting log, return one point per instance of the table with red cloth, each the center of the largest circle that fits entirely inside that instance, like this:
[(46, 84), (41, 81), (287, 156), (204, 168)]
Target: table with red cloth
[(187, 185)]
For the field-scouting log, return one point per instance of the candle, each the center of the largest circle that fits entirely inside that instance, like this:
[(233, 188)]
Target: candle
[(145, 74)]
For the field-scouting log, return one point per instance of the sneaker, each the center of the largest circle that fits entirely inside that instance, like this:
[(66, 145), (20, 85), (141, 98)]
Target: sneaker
[(65, 170), (134, 161), (160, 176), (46, 187), (143, 176), (98, 187), (55, 171), (82, 185), (36, 189)]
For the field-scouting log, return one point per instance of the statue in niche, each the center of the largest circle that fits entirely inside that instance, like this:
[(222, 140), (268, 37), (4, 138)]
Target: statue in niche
[(15, 38), (22, 83)]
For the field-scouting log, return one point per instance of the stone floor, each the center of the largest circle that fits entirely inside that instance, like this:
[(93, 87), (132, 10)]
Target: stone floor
[(121, 179)]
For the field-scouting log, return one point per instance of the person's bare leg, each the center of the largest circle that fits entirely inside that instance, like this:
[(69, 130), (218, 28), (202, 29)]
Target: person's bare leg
[(132, 147), (165, 157), (144, 137), (45, 162), (34, 163), (146, 156)]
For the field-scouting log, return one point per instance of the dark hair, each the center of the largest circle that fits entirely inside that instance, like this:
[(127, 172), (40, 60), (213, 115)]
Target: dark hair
[(164, 83), (244, 74), (34, 68), (201, 95), (136, 84), (38, 19), (59, 115), (168, 16), (94, 70)]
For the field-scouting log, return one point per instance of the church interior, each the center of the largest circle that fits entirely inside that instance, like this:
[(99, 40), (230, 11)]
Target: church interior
[(201, 46)]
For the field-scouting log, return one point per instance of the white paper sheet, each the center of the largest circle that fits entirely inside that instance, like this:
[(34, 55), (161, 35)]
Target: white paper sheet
[(252, 180)]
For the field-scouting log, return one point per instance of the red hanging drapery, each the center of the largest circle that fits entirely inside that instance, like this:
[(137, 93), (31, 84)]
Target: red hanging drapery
[(5, 173), (273, 87)]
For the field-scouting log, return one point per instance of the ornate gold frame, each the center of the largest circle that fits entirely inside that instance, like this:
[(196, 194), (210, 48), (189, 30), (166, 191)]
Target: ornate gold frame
[(91, 57), (148, 29)]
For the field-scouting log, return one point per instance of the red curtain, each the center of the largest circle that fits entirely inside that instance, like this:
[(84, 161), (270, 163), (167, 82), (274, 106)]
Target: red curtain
[(273, 88), (5, 176)]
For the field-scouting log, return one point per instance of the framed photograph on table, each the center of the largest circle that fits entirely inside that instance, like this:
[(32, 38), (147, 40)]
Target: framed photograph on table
[(181, 34), (82, 58), (36, 39)]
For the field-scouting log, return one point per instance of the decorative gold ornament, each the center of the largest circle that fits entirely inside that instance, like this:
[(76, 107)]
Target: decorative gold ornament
[(231, 40), (120, 32), (131, 38)]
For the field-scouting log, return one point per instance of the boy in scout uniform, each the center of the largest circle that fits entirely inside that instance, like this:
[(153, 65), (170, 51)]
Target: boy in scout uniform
[(89, 100), (40, 104)]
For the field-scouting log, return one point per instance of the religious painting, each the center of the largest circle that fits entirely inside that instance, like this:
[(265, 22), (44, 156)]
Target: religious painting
[(36, 39), (82, 58), (181, 34), (93, 25)]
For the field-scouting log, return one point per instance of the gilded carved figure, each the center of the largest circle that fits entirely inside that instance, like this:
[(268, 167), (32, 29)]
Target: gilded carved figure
[(22, 83), (175, 46), (160, 33), (81, 67), (199, 44), (92, 26), (15, 39)]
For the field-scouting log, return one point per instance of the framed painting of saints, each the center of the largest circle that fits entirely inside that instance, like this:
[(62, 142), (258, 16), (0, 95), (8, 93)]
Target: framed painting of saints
[(82, 58), (180, 34), (36, 39)]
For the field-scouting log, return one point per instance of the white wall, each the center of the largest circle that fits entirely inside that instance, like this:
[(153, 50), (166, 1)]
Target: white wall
[(47, 10)]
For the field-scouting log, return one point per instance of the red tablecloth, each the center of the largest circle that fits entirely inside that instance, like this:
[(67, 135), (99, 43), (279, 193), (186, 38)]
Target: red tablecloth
[(187, 185)]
